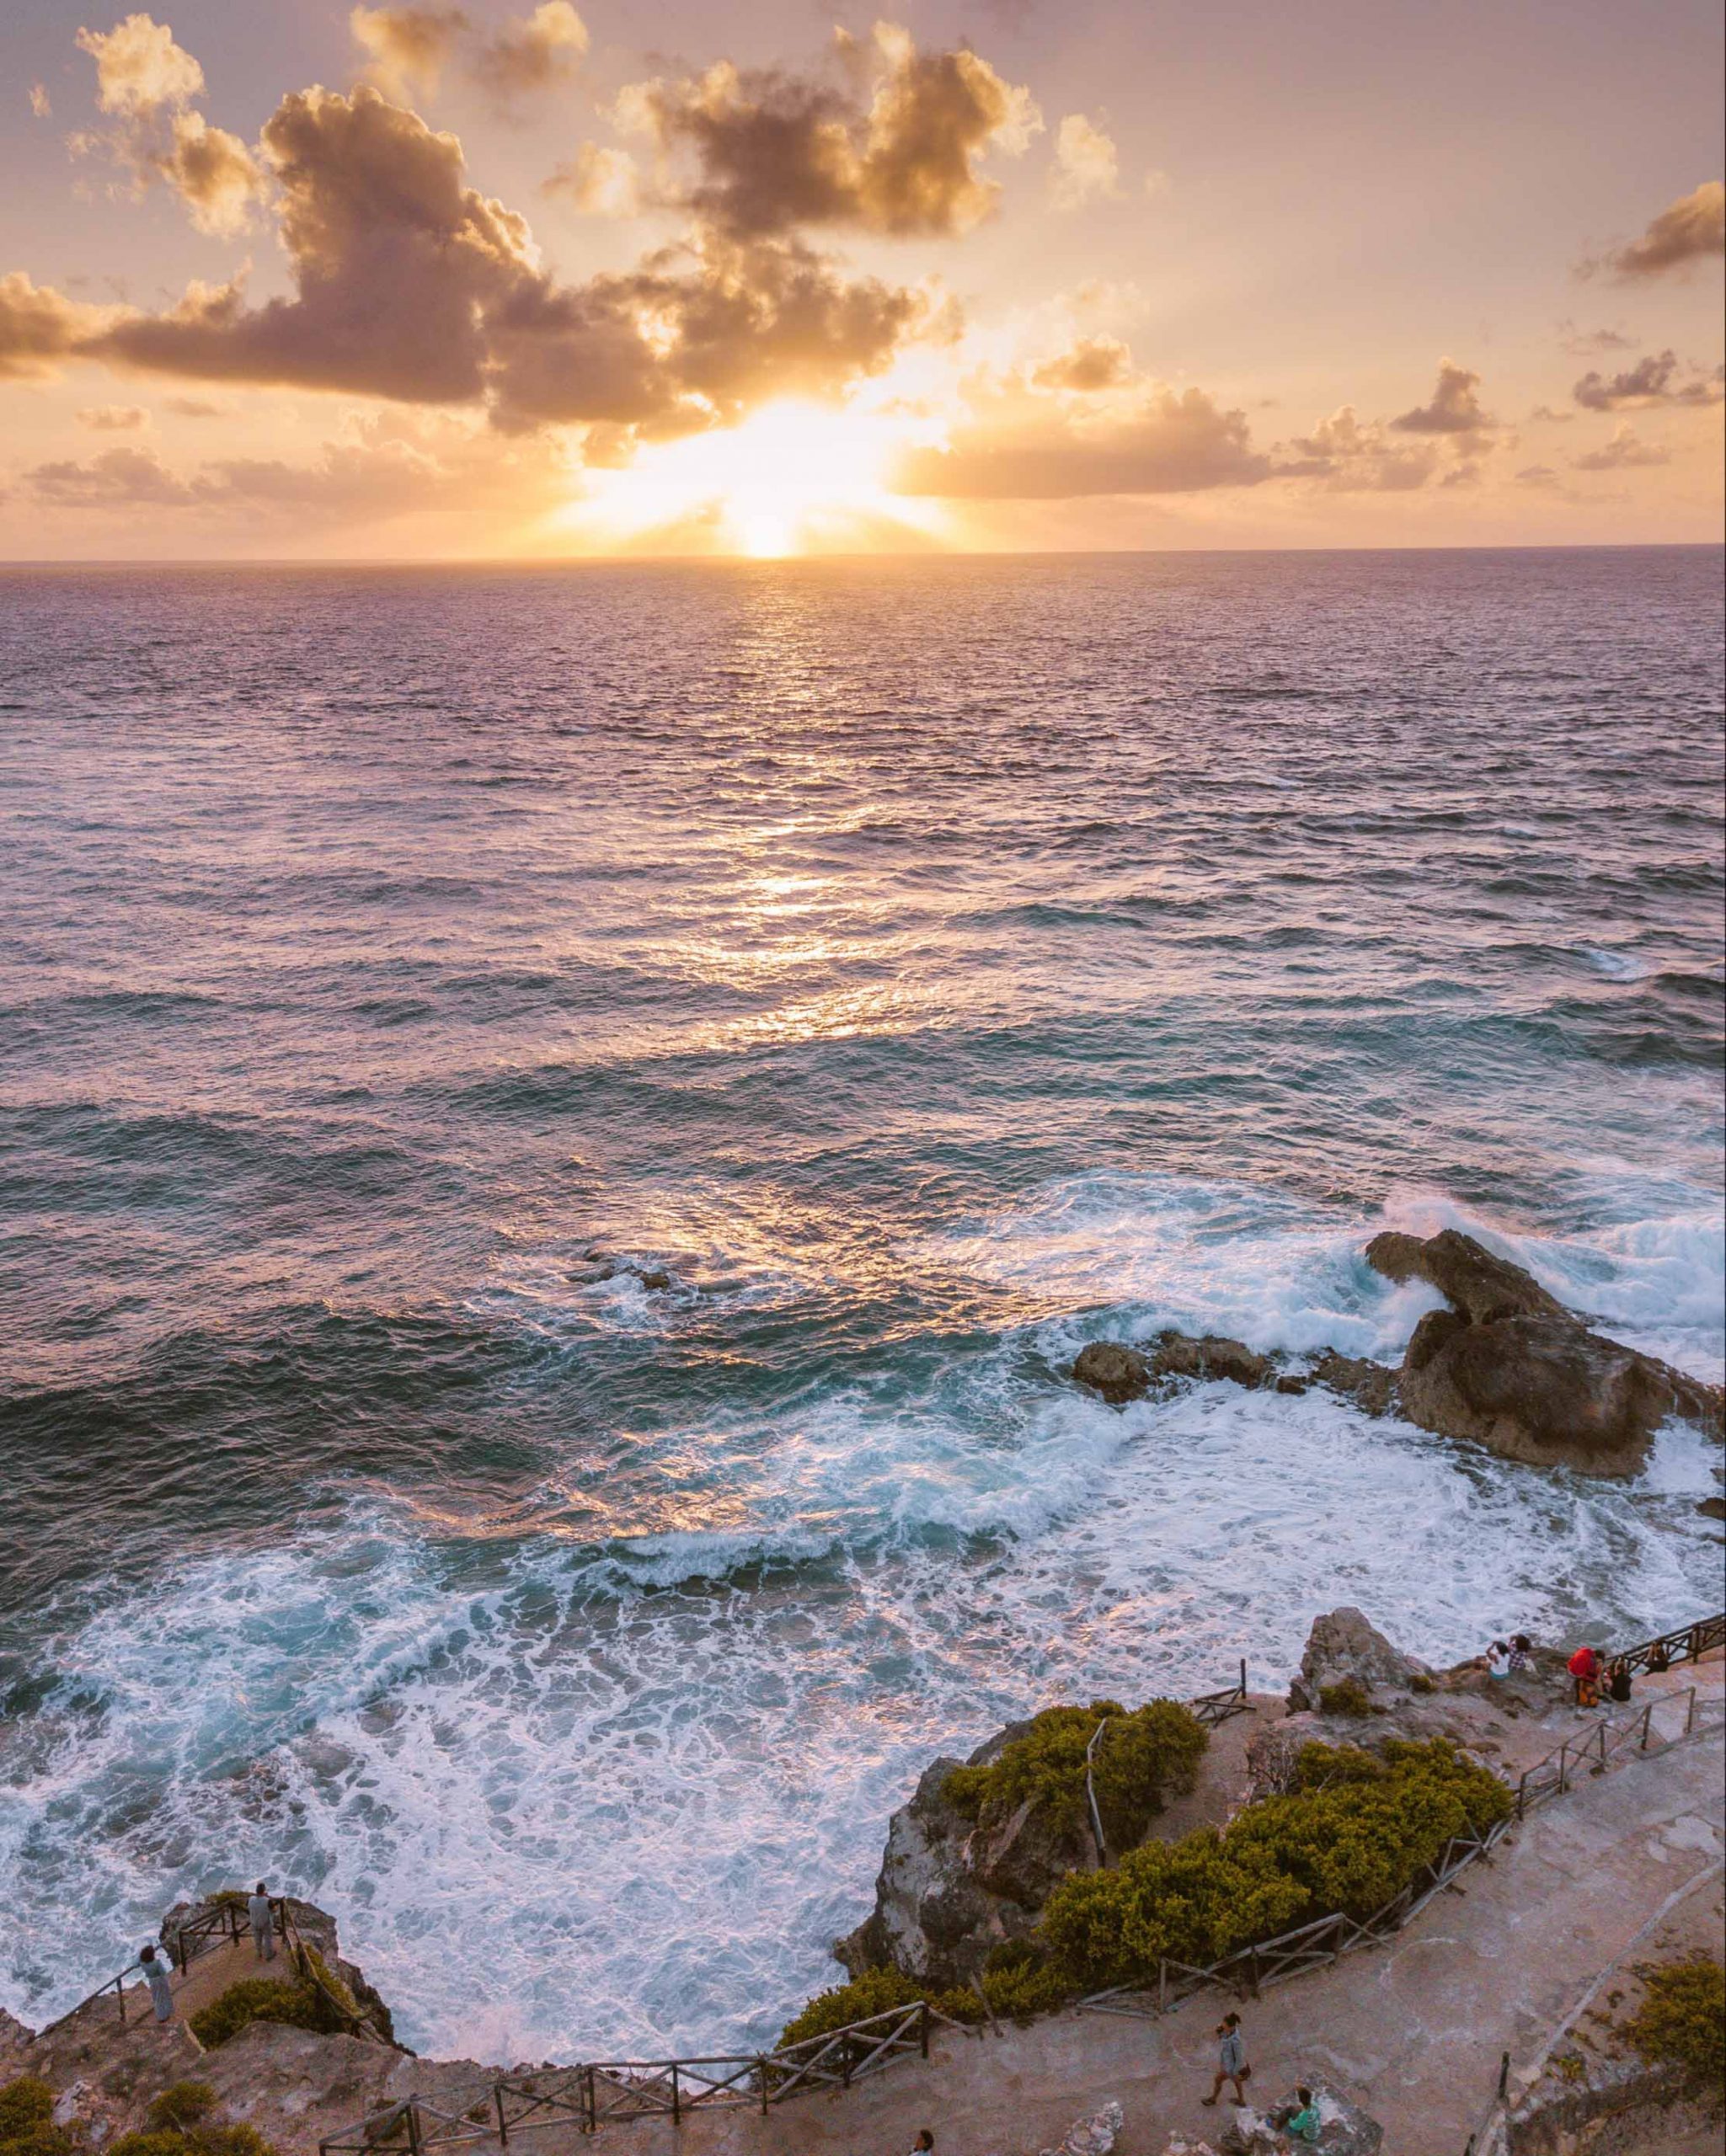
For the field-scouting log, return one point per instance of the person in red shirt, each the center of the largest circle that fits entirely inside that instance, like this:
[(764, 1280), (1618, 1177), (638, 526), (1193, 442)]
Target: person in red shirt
[(1585, 1668)]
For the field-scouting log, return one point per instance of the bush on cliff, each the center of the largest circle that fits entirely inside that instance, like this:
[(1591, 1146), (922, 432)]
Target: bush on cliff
[(876, 1991), (1682, 2018), (178, 2123), (1346, 1843), (259, 1999), (1020, 1982), (27, 2126), (1141, 1761)]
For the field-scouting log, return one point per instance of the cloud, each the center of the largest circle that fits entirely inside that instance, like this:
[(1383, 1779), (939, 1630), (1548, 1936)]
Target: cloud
[(1350, 458), (407, 49), (775, 150), (533, 53), (1087, 165), (1537, 475), (1454, 408), (41, 104), (1692, 229), (119, 478), (411, 286), (114, 419), (377, 465), (41, 328), (1584, 344), (1174, 444), (1624, 452), (193, 408), (148, 83), (605, 183), (1094, 363), (1653, 380), (140, 69)]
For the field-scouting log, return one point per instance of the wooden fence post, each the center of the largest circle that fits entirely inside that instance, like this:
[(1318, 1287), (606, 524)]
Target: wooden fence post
[(120, 1987), (1647, 1716), (1504, 2074), (676, 2102), (1690, 1712), (923, 2024), (413, 2126), (497, 2092), (761, 2069)]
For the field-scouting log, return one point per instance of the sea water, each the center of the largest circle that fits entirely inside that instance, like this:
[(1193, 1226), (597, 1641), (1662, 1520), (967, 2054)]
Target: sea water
[(931, 966)]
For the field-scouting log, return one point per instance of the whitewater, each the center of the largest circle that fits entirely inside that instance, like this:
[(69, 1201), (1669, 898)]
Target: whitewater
[(927, 968)]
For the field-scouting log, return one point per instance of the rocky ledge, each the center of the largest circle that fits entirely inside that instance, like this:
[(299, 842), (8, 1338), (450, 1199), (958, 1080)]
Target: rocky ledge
[(1504, 1364)]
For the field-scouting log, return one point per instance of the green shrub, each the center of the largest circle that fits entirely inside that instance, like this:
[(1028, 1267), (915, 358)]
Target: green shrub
[(183, 2106), (874, 1992), (1347, 1698), (1683, 2017), (259, 1999), (27, 2126), (1324, 1766), (1350, 1844), (1019, 1980), (1419, 1682), (1141, 1761)]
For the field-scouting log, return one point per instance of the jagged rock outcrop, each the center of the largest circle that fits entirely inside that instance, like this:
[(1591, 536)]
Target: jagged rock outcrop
[(1119, 1373), (1371, 1387), (316, 1927), (1343, 1648), (948, 1890), (1509, 1366)]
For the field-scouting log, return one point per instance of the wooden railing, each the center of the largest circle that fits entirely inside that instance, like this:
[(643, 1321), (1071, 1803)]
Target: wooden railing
[(1690, 1643), (607, 2092)]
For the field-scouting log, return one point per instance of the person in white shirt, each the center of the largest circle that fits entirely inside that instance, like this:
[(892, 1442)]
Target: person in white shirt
[(262, 1920)]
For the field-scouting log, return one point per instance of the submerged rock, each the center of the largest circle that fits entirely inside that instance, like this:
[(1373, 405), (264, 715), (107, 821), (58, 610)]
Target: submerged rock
[(1211, 1355), (1119, 1373), (1509, 1366)]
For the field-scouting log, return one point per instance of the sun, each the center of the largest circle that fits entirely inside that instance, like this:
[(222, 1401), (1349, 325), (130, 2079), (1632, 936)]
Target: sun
[(791, 477)]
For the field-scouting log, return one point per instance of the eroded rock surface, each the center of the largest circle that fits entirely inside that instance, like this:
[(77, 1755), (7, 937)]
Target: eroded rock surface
[(1343, 1648), (1093, 2135), (1509, 1366)]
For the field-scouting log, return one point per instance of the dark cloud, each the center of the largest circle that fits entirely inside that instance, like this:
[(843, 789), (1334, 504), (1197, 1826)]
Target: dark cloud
[(1094, 363), (1585, 343), (1655, 379), (119, 478), (1692, 229), (1454, 408), (1175, 445), (775, 150), (1624, 452), (411, 286)]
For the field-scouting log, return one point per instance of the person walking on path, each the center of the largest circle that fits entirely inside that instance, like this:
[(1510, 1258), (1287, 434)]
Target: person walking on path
[(260, 1917), (157, 1970), (1231, 2060)]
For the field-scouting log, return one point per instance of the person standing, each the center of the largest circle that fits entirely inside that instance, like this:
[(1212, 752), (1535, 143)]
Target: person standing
[(1231, 2059), (158, 1970), (262, 1920), (1585, 1668)]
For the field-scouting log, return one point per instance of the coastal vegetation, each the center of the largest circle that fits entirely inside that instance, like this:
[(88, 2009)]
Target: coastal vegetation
[(180, 2121), (1140, 1761), (1353, 1831), (318, 2000), (1682, 2018), (27, 2126)]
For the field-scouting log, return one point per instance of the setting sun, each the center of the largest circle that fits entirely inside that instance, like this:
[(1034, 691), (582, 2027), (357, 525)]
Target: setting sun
[(794, 476)]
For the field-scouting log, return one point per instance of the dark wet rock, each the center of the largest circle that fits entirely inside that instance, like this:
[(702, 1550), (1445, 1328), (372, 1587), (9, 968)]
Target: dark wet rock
[(1344, 1649), (1119, 1373), (1371, 1387), (1509, 1366), (1712, 1508), (948, 1890), (1211, 1355), (656, 1277)]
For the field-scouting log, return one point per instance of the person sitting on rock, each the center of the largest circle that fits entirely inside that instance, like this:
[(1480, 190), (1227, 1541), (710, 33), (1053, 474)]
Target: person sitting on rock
[(1585, 1669), (1497, 1658), (1521, 1650), (1300, 2120), (1618, 1682)]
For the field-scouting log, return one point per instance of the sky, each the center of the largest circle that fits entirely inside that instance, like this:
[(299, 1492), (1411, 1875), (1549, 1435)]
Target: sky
[(304, 281)]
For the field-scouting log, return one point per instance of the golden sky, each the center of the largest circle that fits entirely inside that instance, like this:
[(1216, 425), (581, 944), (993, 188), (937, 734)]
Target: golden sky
[(288, 281)]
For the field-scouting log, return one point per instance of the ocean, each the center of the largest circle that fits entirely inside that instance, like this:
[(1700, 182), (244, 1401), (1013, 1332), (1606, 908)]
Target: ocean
[(928, 966)]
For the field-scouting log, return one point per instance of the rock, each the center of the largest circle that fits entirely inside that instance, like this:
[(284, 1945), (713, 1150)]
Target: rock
[(1345, 2130), (1372, 1386), (1509, 1366), (947, 1890), (1180, 2146), (1712, 1508), (1343, 1648), (657, 1276), (1093, 2135), (316, 1927), (1119, 1373), (1211, 1355)]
